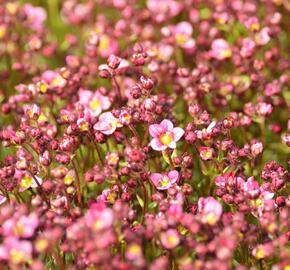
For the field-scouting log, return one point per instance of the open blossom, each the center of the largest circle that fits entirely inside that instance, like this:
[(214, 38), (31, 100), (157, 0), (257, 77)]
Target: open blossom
[(27, 181), (99, 217), (183, 36), (220, 49), (15, 250), (107, 123), (170, 239), (164, 9), (23, 226), (94, 102), (206, 153), (164, 181), (107, 46), (210, 210), (256, 148), (35, 16), (164, 135)]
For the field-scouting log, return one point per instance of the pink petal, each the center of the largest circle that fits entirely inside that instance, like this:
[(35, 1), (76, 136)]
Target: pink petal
[(155, 177), (178, 133), (157, 145), (155, 130), (173, 176), (2, 199), (167, 125), (105, 102), (85, 96)]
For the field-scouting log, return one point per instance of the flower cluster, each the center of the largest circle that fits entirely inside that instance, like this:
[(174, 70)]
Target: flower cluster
[(147, 134)]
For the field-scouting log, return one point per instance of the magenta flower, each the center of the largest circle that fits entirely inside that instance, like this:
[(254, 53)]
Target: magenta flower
[(107, 123), (164, 181), (220, 49), (210, 210), (94, 102), (164, 135), (170, 239)]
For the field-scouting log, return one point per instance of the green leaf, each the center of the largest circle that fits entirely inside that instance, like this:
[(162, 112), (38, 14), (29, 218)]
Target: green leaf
[(140, 200)]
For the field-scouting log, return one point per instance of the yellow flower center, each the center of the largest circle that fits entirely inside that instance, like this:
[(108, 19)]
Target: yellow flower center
[(19, 228), (114, 124), (172, 240), (104, 43), (211, 219), (68, 179), (57, 81), (41, 245), (84, 126), (99, 223), (134, 249), (42, 118), (26, 182), (165, 181), (2, 31), (42, 86), (95, 104), (180, 39), (17, 256), (166, 138), (260, 254), (226, 53)]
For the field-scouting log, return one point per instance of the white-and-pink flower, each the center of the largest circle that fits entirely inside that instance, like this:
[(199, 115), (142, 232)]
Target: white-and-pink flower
[(165, 135), (220, 49), (164, 181), (94, 102), (107, 123), (210, 209)]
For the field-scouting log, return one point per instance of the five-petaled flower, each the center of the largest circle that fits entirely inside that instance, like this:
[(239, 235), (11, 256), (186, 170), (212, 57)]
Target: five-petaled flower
[(164, 135), (164, 181), (107, 123)]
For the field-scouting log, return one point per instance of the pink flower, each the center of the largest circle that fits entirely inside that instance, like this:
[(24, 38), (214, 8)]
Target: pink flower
[(23, 226), (27, 181), (220, 49), (35, 16), (94, 102), (256, 148), (164, 181), (164, 135), (251, 188), (170, 239), (210, 210), (182, 33), (107, 46), (206, 153), (262, 37), (16, 251), (134, 252), (99, 217), (163, 9), (107, 123)]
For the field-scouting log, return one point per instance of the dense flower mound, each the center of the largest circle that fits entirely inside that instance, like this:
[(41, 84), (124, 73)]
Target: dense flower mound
[(144, 134)]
